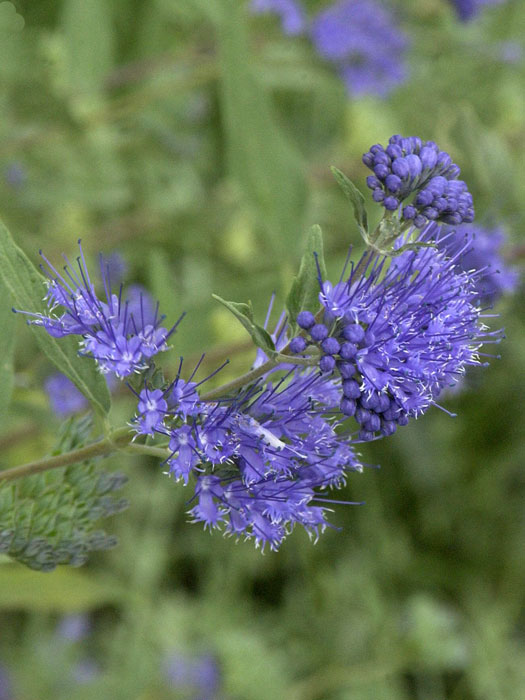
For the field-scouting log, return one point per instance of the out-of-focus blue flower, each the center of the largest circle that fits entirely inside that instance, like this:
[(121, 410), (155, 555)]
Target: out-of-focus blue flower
[(73, 628), (468, 9), (141, 304), (509, 52), (398, 333), (422, 177), (120, 339), (85, 671), (63, 395), (15, 175), (479, 250), (115, 268), (292, 15), (5, 684), (193, 674), (362, 39)]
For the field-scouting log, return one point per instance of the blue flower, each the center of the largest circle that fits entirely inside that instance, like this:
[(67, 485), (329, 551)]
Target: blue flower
[(422, 177), (121, 336), (361, 38), (405, 329), (63, 395), (281, 449), (290, 11), (479, 250), (468, 9), (193, 673), (15, 175), (5, 684), (115, 267), (152, 407), (73, 628), (261, 460)]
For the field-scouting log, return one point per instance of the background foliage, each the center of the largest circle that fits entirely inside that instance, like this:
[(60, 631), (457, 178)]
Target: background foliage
[(196, 140)]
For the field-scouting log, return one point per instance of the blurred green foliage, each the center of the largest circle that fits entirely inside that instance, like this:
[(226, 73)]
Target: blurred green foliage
[(196, 140)]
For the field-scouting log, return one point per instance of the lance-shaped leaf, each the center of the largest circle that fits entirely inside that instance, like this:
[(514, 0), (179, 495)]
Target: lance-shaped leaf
[(357, 200), (264, 161), (7, 346), (304, 293), (27, 288), (244, 313)]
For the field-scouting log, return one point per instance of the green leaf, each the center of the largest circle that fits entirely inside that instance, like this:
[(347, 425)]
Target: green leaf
[(7, 346), (304, 293), (244, 313), (161, 284), (27, 288), (266, 165), (356, 198), (89, 43)]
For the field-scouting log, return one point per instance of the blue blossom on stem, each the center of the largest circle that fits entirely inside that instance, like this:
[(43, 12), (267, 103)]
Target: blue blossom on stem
[(290, 11), (482, 253), (422, 177), (362, 39), (282, 453), (398, 333), (261, 460), (121, 339)]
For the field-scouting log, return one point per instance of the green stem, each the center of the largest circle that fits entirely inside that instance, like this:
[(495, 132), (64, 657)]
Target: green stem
[(241, 381), (151, 450), (113, 442)]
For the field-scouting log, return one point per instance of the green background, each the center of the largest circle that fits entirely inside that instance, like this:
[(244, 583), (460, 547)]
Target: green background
[(196, 140)]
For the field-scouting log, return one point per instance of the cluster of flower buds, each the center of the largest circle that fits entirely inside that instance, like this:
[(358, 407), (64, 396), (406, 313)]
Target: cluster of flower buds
[(424, 178)]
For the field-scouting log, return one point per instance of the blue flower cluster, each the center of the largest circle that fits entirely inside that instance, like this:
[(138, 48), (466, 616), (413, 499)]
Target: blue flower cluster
[(260, 461), (121, 335), (397, 334), (412, 168), (262, 453), (359, 37)]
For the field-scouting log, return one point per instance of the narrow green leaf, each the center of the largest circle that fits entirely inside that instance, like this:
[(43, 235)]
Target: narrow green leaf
[(161, 284), (89, 43), (27, 289), (356, 198), (266, 165), (244, 313), (304, 293), (7, 346)]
